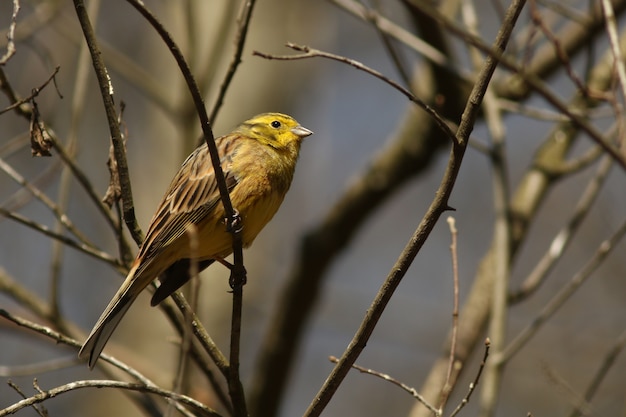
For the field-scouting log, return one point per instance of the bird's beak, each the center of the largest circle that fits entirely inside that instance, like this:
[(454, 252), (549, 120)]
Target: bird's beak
[(303, 132)]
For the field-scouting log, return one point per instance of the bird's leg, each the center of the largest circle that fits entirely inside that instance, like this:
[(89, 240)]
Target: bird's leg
[(225, 263), (234, 225)]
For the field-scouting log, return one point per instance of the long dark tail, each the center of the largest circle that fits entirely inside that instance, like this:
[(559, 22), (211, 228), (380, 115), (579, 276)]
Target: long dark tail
[(110, 318)]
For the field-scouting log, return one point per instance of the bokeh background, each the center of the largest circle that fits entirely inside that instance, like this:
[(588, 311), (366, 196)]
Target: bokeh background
[(354, 116)]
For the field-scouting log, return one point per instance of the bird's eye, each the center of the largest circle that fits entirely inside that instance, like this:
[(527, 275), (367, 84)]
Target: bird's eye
[(275, 124)]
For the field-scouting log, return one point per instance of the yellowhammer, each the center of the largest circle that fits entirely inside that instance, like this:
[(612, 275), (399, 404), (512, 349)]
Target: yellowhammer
[(258, 158)]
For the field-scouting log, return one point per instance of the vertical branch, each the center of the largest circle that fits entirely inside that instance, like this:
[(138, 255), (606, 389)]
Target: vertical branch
[(447, 386), (204, 120), (611, 28), (235, 388), (234, 223), (502, 233), (106, 91)]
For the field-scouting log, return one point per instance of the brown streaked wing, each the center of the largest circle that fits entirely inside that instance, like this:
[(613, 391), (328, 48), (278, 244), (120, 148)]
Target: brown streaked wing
[(191, 196)]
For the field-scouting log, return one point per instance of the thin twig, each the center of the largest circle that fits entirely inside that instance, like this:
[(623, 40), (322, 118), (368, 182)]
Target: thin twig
[(604, 249), (572, 395), (17, 389), (21, 197), (565, 236), (200, 408), (525, 203), (80, 246), (392, 50), (446, 390), (389, 28), (63, 339), (18, 104), (22, 109), (60, 216), (437, 207), (243, 20), (502, 225), (474, 383), (534, 81), (548, 115), (607, 363), (84, 181), (22, 296), (395, 382), (313, 53), (11, 34), (560, 51)]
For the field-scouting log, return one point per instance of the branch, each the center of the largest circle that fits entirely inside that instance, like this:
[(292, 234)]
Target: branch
[(72, 386), (106, 91), (437, 207), (61, 338), (556, 302), (474, 383), (502, 228), (313, 53), (607, 363), (11, 34), (395, 382), (198, 101), (565, 236), (82, 247), (240, 40), (446, 390), (532, 190), (533, 80)]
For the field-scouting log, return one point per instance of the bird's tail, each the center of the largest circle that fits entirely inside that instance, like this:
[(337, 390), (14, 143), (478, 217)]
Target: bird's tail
[(110, 318)]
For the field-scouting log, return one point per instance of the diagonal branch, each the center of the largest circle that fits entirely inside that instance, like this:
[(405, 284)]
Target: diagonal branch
[(437, 207)]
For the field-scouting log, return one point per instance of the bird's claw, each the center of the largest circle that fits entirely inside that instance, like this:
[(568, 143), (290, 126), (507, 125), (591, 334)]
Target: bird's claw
[(238, 277), (234, 224)]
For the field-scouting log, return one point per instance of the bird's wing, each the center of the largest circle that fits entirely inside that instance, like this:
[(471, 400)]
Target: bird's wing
[(190, 198)]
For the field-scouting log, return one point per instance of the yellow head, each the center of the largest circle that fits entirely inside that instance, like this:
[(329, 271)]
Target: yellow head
[(274, 129)]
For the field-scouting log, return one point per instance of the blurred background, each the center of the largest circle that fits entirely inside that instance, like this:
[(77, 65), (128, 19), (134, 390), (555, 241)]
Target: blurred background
[(356, 118)]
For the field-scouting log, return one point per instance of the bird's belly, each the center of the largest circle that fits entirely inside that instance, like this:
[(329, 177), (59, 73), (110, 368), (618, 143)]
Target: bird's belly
[(214, 241)]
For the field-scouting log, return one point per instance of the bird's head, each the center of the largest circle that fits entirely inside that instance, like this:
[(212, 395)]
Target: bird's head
[(275, 129)]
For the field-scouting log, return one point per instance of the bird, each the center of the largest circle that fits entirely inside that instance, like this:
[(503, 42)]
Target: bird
[(258, 159)]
